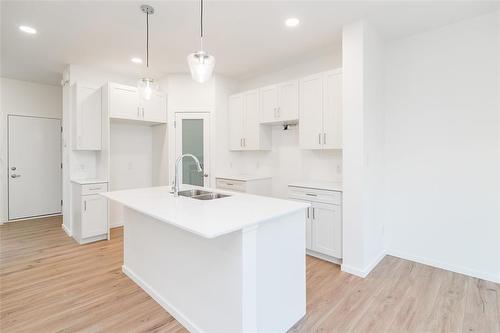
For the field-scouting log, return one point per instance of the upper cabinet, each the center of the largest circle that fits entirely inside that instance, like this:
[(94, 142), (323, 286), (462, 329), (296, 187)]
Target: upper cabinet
[(321, 111), (245, 130), (124, 103), (87, 113), (279, 103)]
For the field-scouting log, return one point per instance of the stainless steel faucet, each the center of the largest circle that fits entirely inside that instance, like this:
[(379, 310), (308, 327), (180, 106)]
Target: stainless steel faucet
[(177, 179)]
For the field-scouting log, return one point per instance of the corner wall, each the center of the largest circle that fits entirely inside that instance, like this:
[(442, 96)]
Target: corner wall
[(443, 147), (363, 238)]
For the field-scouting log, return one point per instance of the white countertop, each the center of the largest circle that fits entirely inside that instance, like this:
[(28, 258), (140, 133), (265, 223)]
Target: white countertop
[(317, 184), (206, 218), (243, 177), (89, 181)]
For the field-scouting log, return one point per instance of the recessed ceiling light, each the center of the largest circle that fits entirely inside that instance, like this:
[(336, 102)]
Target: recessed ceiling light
[(136, 60), (292, 22), (28, 30)]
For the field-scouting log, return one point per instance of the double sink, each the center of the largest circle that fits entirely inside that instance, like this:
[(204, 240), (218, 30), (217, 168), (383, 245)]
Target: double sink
[(202, 195)]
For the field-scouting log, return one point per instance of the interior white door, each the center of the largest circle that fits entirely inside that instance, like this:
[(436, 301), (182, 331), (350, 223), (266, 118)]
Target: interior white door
[(332, 110), (235, 119), (34, 160), (192, 136), (311, 112)]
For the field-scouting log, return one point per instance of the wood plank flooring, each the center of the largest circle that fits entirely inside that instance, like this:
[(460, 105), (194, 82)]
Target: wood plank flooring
[(48, 283)]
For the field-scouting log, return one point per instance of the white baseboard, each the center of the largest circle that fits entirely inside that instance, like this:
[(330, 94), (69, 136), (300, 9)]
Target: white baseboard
[(364, 271), (66, 230), (179, 316), (448, 267)]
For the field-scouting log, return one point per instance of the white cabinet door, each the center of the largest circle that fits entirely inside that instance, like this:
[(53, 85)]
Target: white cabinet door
[(251, 121), (235, 119), (124, 102), (311, 112), (87, 106), (332, 110), (94, 216), (155, 109), (288, 107), (309, 230), (327, 229), (268, 104)]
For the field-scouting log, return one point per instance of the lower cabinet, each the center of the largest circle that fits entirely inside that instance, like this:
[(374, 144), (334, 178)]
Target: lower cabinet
[(90, 212), (323, 222)]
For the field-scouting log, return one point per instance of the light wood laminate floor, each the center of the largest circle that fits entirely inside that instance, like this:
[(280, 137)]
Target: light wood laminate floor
[(48, 283)]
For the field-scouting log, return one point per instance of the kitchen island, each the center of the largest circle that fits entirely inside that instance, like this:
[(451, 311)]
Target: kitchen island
[(230, 264)]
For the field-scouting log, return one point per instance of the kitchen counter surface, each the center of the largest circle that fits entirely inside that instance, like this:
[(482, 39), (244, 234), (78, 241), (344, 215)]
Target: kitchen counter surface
[(206, 218), (243, 177), (89, 181), (320, 185)]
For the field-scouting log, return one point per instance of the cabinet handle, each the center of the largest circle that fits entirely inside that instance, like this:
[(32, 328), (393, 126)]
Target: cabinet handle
[(319, 138), (241, 142), (308, 211), (94, 188), (274, 112), (85, 205), (142, 113), (324, 138), (244, 142), (138, 112), (311, 194), (314, 215), (279, 111)]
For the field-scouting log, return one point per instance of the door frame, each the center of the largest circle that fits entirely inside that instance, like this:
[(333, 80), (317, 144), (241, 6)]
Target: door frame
[(206, 116), (7, 180)]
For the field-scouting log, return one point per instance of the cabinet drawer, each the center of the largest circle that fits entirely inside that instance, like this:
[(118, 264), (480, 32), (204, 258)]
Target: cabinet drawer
[(315, 195), (88, 189), (230, 184)]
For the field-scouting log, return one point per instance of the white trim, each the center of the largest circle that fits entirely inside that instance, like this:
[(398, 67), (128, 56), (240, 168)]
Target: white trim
[(325, 257), (66, 230), (179, 316), (445, 266), (32, 217), (363, 272)]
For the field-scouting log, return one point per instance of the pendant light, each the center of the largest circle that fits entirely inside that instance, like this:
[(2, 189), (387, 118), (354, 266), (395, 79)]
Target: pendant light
[(147, 85), (201, 64)]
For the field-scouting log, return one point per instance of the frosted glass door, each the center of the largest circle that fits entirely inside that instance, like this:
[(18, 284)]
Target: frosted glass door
[(192, 138)]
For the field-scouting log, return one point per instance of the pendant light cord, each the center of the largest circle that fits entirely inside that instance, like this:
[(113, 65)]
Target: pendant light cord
[(201, 25), (147, 40)]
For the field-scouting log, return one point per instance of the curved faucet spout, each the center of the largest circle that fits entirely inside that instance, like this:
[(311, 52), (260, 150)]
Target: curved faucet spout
[(177, 179)]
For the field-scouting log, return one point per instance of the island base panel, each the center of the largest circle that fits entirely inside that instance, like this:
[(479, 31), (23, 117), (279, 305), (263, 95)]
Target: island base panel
[(252, 280)]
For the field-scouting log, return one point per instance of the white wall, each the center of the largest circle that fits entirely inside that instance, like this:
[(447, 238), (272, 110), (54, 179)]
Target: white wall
[(363, 119), (27, 99), (442, 147), (286, 162)]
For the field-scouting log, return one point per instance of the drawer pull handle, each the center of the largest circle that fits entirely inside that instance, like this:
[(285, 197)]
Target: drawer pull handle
[(94, 188), (312, 195), (230, 184)]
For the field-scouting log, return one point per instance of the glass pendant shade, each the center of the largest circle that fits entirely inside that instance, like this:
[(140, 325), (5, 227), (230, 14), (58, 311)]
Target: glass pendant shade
[(146, 88), (201, 65)]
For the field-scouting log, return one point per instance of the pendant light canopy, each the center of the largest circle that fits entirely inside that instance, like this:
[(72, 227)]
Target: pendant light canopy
[(147, 85), (201, 64)]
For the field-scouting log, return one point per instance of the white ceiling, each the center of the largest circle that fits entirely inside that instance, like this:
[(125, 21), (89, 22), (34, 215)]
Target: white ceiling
[(246, 37)]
